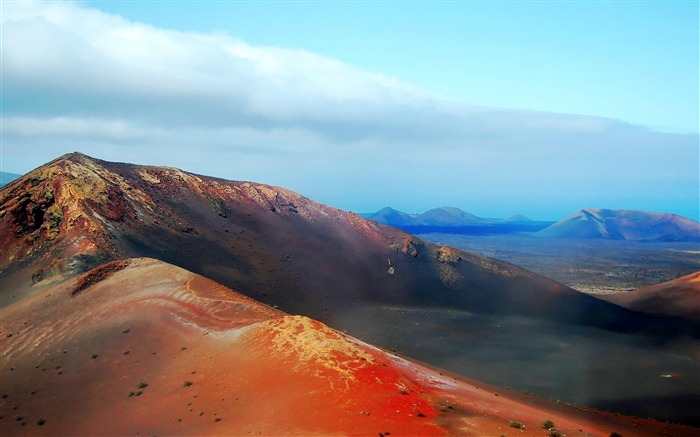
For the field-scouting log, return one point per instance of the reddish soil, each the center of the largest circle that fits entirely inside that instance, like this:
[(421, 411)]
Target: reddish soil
[(152, 349)]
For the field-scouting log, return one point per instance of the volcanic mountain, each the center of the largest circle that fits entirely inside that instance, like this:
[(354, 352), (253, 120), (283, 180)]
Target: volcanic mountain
[(679, 297), (624, 225), (457, 310), (138, 346), (393, 217)]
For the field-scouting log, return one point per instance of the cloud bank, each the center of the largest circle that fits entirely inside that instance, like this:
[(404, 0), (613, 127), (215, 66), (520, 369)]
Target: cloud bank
[(75, 78)]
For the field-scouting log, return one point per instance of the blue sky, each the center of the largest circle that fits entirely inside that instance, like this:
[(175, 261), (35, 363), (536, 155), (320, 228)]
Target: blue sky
[(539, 108)]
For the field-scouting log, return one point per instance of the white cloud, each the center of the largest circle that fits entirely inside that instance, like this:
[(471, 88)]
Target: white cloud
[(77, 78)]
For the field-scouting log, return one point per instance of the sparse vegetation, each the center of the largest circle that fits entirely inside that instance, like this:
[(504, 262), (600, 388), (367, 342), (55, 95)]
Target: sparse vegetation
[(515, 424), (547, 424)]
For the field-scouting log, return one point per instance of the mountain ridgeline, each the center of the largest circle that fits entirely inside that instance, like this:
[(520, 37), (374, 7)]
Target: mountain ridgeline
[(590, 223), (624, 225), (455, 221)]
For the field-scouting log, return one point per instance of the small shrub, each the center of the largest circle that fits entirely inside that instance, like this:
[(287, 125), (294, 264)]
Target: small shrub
[(547, 424), (614, 434), (516, 424), (554, 433), (142, 385), (187, 384)]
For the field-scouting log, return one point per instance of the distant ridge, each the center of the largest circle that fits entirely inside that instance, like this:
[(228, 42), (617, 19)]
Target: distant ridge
[(391, 215), (442, 216), (611, 224), (454, 220)]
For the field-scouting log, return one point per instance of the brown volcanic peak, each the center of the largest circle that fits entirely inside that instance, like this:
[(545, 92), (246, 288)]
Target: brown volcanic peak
[(76, 212), (679, 297), (148, 348)]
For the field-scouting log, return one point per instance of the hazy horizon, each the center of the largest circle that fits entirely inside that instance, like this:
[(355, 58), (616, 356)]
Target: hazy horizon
[(532, 108)]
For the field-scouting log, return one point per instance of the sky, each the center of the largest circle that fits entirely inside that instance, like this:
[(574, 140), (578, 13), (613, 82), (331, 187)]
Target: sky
[(496, 107)]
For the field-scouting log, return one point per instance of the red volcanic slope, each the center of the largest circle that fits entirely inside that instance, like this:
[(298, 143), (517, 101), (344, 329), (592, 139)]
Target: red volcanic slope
[(679, 297), (140, 347)]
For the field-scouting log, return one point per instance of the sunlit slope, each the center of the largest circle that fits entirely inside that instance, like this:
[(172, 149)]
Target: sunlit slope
[(679, 297)]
